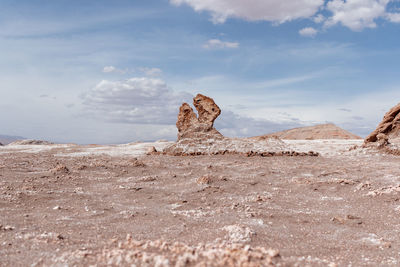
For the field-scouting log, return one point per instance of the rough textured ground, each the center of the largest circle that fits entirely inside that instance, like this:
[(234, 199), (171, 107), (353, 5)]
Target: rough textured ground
[(323, 131), (224, 145), (66, 204)]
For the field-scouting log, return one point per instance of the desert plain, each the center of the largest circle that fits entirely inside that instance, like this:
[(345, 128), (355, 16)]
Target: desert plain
[(206, 199), (67, 205)]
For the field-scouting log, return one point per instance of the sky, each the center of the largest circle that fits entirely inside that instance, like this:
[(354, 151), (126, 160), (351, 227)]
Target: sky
[(102, 71)]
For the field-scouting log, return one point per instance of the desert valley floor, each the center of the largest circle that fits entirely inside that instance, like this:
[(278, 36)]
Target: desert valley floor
[(67, 205)]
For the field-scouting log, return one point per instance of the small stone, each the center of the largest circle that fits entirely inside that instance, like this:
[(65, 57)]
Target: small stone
[(337, 220), (352, 217), (204, 179), (151, 150), (60, 169), (8, 228), (386, 244)]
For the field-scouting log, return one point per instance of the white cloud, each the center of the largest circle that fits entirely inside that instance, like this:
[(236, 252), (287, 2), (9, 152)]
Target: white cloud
[(149, 101), (136, 100), (107, 69), (319, 18), (253, 10), (308, 32), (393, 17), (356, 14), (218, 44), (112, 69), (150, 71)]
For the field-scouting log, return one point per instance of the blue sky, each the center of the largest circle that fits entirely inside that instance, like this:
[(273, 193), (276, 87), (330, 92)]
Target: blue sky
[(117, 71)]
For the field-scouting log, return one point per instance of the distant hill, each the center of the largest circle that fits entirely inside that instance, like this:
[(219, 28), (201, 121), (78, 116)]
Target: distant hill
[(6, 139), (322, 131)]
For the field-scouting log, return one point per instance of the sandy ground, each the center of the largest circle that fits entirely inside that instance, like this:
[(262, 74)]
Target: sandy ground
[(114, 205)]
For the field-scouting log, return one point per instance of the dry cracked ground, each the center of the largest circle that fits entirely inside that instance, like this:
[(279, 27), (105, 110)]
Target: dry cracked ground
[(66, 205)]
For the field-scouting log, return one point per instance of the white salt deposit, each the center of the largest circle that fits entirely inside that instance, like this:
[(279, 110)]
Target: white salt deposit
[(31, 148), (132, 149), (326, 147)]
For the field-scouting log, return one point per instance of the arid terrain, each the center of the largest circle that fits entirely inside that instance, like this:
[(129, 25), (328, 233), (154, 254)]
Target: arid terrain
[(115, 205), (205, 200)]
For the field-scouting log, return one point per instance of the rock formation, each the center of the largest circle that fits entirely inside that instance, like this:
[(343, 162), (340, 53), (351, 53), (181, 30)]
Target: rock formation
[(388, 131), (322, 131), (6, 139), (197, 135), (191, 126), (207, 109), (30, 142)]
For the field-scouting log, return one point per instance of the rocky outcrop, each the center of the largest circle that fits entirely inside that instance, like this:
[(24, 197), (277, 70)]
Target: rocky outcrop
[(191, 126), (207, 109), (30, 142), (6, 139), (388, 131), (186, 119), (197, 135)]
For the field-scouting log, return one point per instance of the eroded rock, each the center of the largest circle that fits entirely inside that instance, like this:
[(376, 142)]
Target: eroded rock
[(207, 109), (191, 126), (388, 130), (197, 135), (186, 118)]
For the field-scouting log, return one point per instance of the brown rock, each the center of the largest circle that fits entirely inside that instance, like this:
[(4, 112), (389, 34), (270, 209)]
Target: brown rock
[(206, 179), (388, 129), (207, 109), (151, 150), (191, 126), (186, 118), (60, 169), (383, 139)]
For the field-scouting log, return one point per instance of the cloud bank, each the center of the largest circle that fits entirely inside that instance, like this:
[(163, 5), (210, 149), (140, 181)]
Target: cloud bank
[(253, 10), (353, 14), (356, 14), (136, 100), (150, 101)]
